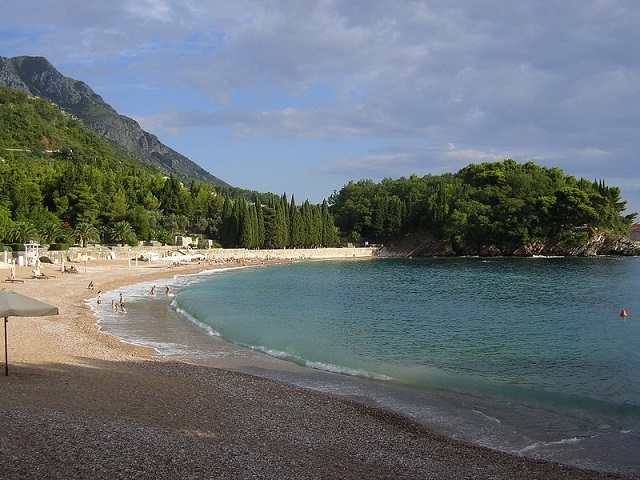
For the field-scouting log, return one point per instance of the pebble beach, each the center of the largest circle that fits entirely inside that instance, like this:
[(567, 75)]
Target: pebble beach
[(78, 403)]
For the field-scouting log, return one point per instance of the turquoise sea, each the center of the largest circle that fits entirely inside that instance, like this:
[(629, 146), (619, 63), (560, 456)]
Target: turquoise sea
[(525, 355)]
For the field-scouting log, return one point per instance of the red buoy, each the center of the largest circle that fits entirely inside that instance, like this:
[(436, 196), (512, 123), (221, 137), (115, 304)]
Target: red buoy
[(623, 313)]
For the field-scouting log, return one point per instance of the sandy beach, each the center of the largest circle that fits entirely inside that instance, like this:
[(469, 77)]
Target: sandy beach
[(80, 404)]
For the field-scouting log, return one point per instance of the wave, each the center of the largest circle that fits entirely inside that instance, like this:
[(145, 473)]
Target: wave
[(326, 367), (488, 417), (565, 441), (206, 328)]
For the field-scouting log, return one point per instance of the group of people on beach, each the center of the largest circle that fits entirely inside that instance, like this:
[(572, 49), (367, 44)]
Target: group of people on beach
[(167, 290), (116, 305), (119, 305)]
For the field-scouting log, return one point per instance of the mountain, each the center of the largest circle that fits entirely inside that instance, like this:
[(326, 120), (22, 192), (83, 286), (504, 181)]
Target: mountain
[(36, 76)]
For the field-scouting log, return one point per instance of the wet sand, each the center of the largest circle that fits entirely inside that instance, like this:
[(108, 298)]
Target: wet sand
[(80, 404)]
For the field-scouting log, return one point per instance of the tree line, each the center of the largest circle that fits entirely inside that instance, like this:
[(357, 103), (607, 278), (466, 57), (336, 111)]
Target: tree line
[(501, 203), (62, 183)]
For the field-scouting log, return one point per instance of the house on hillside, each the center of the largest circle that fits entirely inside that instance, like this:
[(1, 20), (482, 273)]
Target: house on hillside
[(635, 232)]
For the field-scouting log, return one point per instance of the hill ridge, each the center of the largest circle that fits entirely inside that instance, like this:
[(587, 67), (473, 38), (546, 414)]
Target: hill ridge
[(37, 76)]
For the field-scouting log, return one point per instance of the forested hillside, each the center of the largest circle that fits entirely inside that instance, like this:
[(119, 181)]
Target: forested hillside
[(36, 76), (502, 203), (62, 183)]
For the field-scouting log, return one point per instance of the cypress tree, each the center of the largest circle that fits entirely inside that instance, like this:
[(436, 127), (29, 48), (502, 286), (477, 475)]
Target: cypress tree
[(284, 227), (296, 239), (317, 226), (251, 226), (270, 227), (228, 226), (236, 219), (260, 227)]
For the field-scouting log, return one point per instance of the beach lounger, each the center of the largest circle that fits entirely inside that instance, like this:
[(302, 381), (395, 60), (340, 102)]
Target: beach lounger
[(14, 280)]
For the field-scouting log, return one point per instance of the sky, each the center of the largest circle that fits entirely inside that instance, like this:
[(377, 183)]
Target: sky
[(301, 97)]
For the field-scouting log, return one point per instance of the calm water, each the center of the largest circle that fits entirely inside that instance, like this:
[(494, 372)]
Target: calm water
[(527, 355)]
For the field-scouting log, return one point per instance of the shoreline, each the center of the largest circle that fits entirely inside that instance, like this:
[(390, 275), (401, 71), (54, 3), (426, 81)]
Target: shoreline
[(78, 402)]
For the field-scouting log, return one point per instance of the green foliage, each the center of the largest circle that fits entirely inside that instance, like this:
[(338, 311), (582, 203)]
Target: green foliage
[(51, 232), (278, 224), (86, 233), (500, 203), (54, 173), (122, 233), (164, 237), (23, 232), (69, 184), (58, 246), (6, 224)]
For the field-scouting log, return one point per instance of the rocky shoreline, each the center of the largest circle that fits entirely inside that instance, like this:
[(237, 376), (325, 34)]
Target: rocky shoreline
[(600, 244)]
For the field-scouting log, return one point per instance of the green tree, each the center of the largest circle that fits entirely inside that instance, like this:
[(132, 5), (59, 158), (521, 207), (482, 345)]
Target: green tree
[(500, 203), (26, 195), (174, 198), (230, 224), (118, 208), (249, 226), (23, 232), (573, 208), (52, 232), (86, 233), (6, 224), (260, 226), (296, 225), (164, 237), (330, 234), (122, 233), (83, 203), (138, 218)]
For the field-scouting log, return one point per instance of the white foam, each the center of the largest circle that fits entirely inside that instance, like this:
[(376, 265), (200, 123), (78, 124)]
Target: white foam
[(488, 417), (564, 441)]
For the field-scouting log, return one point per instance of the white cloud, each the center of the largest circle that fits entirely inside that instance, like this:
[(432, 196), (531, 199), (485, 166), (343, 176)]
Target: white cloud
[(556, 80), (153, 10)]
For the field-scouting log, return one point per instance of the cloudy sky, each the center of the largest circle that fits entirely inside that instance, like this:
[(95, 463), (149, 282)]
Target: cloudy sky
[(302, 97)]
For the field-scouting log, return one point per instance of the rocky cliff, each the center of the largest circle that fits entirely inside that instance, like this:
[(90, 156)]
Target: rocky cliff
[(601, 244), (36, 76)]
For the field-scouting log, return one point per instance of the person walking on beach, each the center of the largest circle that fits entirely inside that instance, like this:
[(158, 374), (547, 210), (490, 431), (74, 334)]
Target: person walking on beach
[(122, 309), (153, 290), (99, 297), (167, 290), (114, 307)]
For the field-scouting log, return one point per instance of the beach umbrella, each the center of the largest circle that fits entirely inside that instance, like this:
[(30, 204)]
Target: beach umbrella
[(18, 305)]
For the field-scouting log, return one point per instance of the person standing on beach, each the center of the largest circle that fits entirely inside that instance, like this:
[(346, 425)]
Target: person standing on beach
[(99, 297), (153, 290), (122, 309), (167, 290), (114, 307)]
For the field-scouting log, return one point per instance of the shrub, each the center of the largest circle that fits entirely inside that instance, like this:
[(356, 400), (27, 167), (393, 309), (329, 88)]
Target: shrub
[(59, 246)]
